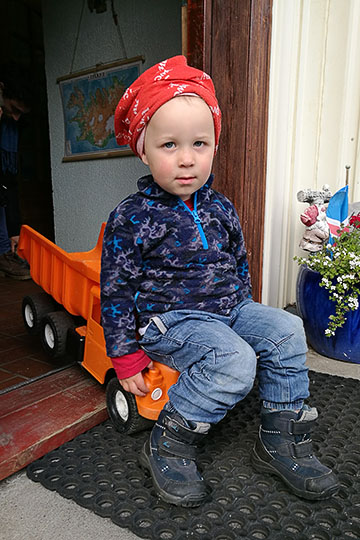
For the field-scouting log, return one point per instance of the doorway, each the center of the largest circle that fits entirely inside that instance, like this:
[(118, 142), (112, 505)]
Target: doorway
[(21, 41)]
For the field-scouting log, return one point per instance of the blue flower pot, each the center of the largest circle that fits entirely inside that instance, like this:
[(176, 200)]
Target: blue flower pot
[(315, 307)]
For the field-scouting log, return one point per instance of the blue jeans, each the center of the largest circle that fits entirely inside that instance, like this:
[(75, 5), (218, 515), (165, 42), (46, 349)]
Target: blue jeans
[(218, 356), (5, 245)]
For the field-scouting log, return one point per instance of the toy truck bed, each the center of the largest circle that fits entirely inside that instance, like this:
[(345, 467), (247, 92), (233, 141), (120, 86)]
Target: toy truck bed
[(73, 281), (67, 277)]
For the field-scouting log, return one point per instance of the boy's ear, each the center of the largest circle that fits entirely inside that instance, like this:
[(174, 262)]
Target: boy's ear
[(144, 159)]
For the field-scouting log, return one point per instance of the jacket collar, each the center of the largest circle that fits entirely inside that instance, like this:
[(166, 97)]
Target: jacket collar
[(148, 187)]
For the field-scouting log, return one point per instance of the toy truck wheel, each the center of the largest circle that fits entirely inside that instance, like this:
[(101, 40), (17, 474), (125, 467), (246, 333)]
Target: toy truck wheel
[(122, 409), (34, 308), (53, 332)]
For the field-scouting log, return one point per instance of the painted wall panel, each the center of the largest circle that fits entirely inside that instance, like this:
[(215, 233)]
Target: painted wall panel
[(84, 192)]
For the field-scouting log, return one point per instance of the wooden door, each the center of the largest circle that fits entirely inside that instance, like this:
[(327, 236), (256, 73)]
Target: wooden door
[(230, 40)]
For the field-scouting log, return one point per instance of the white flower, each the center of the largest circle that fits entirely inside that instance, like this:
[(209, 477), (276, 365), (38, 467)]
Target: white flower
[(329, 332), (353, 302)]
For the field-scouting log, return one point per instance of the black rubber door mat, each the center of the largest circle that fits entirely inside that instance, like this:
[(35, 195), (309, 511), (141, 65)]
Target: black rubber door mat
[(99, 470)]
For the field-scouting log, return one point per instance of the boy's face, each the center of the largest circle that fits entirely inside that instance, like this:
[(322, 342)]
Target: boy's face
[(179, 145)]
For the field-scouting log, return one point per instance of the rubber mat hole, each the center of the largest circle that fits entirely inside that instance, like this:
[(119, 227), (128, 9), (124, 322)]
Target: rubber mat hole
[(55, 460), (269, 517), (116, 470), (278, 504), (35, 471), (160, 508), (165, 530), (293, 529), (235, 523), (301, 512), (87, 494), (116, 455), (100, 464), (316, 534), (355, 514), (122, 489), (244, 475), (140, 498), (214, 513), (105, 502), (214, 479), (354, 532), (144, 523), (332, 506), (327, 522), (259, 535), (86, 475), (235, 489), (84, 455), (70, 469), (52, 479), (245, 508), (224, 499), (70, 487), (254, 494), (200, 529), (180, 517)]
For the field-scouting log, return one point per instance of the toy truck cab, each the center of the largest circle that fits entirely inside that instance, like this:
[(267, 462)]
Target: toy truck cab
[(67, 316)]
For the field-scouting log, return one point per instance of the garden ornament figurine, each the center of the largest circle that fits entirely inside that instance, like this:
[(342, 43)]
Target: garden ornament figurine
[(314, 218)]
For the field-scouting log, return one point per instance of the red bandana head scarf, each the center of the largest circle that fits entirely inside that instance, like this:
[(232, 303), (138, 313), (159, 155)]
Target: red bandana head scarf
[(156, 86)]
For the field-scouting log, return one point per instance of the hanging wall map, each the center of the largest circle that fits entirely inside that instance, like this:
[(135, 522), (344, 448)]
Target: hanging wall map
[(89, 100)]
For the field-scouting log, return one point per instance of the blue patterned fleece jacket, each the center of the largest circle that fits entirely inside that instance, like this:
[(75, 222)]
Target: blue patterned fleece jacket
[(158, 256)]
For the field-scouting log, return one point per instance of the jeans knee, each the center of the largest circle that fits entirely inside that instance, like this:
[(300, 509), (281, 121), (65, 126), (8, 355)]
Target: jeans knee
[(242, 373), (230, 372), (293, 337)]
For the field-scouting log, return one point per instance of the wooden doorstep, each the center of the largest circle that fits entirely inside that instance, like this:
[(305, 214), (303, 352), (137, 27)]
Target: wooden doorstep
[(44, 414)]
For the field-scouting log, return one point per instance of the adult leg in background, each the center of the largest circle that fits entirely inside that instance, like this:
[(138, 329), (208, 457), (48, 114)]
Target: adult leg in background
[(10, 264), (4, 237)]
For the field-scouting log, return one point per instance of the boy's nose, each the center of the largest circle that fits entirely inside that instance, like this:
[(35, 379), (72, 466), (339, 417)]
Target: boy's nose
[(186, 158)]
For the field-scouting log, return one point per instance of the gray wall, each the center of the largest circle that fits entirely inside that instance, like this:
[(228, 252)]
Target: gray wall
[(84, 192)]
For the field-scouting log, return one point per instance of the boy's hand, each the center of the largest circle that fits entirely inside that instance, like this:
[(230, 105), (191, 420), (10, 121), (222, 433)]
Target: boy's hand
[(136, 384)]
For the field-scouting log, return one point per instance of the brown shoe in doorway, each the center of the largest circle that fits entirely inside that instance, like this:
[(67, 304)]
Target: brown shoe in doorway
[(11, 265)]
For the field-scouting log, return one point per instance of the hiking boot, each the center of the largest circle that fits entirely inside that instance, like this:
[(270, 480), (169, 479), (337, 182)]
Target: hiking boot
[(169, 456), (11, 265), (284, 448)]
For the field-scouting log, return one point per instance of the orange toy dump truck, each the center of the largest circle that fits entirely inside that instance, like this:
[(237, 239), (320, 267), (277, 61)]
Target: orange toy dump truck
[(67, 317)]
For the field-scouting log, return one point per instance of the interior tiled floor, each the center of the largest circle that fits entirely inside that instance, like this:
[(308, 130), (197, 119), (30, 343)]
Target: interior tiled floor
[(21, 355)]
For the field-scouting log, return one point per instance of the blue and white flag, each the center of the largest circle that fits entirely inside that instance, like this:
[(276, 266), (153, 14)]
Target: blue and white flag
[(337, 212)]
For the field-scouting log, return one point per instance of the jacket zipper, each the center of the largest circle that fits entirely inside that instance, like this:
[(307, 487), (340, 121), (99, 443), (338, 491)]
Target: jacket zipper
[(197, 220)]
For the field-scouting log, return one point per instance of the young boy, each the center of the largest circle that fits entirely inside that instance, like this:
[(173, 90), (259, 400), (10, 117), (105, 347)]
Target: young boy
[(174, 254)]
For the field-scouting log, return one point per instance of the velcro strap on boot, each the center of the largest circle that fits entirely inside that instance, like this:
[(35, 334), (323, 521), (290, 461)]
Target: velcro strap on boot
[(299, 450), (285, 425), (181, 432), (172, 447)]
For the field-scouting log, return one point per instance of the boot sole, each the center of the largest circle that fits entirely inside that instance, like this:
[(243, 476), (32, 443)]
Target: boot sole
[(188, 501), (261, 466)]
